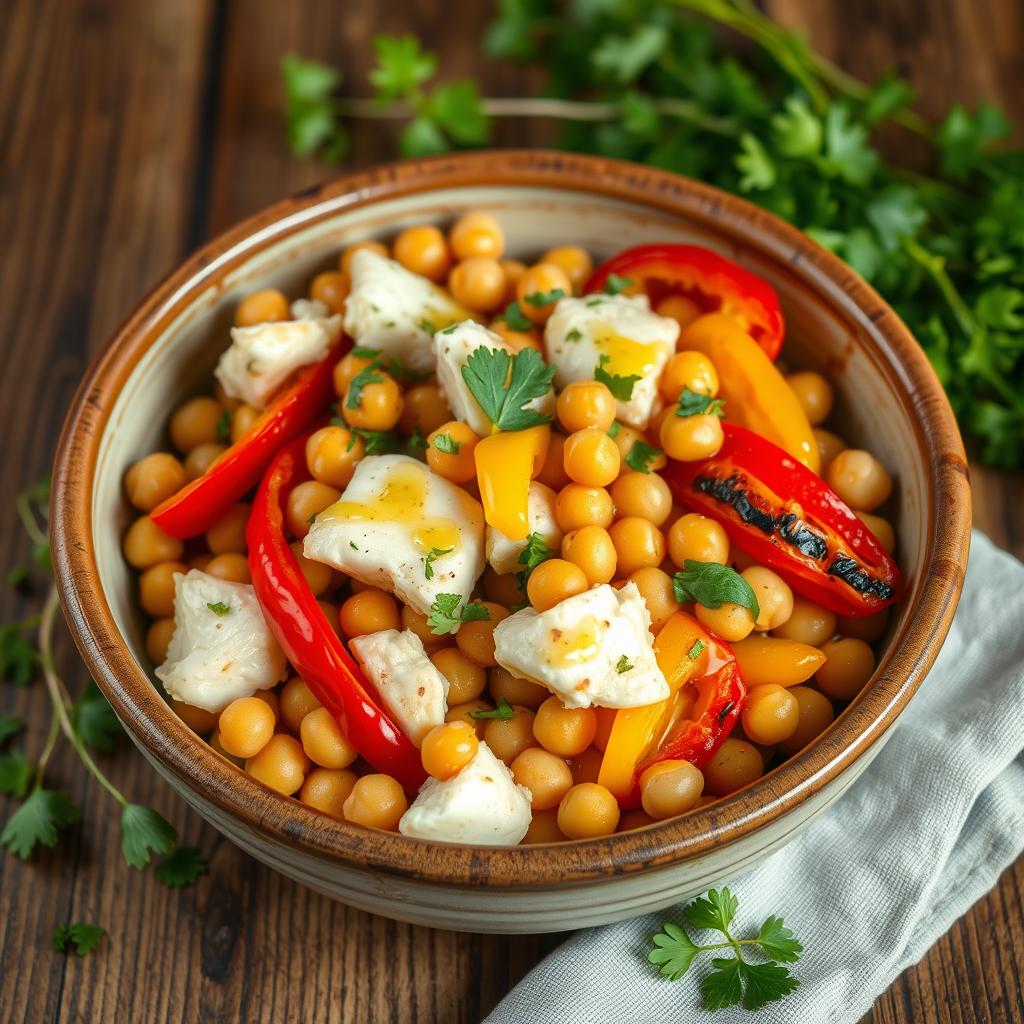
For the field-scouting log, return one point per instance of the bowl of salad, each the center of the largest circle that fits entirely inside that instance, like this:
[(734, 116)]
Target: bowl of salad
[(510, 539)]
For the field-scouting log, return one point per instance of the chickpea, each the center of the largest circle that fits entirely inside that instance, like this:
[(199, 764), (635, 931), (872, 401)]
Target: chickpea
[(634, 819), (553, 581), (320, 577), (829, 446), (330, 288), (201, 458), (578, 505), (696, 538), (586, 767), (478, 283), (591, 457), (509, 737), (809, 623), (476, 639), (327, 790), (735, 765), (881, 528), (145, 545), (588, 811), (774, 596), (689, 438), (158, 639), (348, 368), (638, 544), (679, 308), (730, 621), (195, 422), (199, 720), (466, 679), (379, 248), (377, 801), (295, 702), (305, 502), (450, 451), (465, 713), (153, 479), (369, 611), (552, 472), (517, 339), (424, 251), (849, 665), (575, 261), (645, 495), (814, 394), (514, 270), (523, 692), (245, 726), (691, 370), (223, 398), (545, 775), (502, 588), (564, 731), (418, 624), (281, 764), (543, 829), (243, 419), (868, 628), (770, 714), (156, 589), (669, 788), (332, 454), (542, 279), (859, 479), (814, 716), (200, 561), (591, 549), (477, 234), (377, 406), (271, 699), (658, 592), (448, 748), (586, 403), (216, 745), (324, 742), (426, 408), (262, 307)]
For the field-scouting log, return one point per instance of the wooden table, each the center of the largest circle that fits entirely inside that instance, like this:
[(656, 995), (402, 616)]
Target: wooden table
[(129, 133)]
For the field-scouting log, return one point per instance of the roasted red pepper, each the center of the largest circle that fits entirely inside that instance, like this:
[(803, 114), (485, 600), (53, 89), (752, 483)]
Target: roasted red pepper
[(310, 644), (715, 284), (785, 516), (199, 504)]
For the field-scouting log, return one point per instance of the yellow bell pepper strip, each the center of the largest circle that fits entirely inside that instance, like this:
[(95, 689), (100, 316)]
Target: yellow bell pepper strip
[(686, 653), (756, 394), (506, 462), (768, 659)]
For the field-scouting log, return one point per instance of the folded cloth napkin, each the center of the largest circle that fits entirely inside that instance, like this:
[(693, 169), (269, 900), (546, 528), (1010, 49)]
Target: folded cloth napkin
[(874, 880)]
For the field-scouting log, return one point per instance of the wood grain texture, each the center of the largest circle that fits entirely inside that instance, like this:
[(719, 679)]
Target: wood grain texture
[(128, 132)]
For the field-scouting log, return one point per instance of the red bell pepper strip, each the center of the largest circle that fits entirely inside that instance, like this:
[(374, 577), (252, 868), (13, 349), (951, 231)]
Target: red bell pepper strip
[(714, 283), (199, 504), (310, 644), (785, 516)]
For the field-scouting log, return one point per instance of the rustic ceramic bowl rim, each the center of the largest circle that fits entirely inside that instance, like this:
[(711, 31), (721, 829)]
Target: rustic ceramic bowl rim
[(186, 757)]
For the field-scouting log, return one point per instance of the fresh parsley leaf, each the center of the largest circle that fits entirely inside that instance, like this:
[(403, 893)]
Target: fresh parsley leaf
[(623, 665), (504, 384), (696, 650), (16, 772), (218, 607), (94, 719), (457, 109), (309, 109), (18, 575), (754, 163), (428, 561), (615, 284), (694, 403), (422, 137), (41, 556), (181, 867), (722, 987), (363, 352), (79, 938), (716, 910), (18, 658), (367, 375), (540, 299), (641, 455), (37, 821), (673, 951), (504, 710), (447, 444), (778, 942), (764, 984), (143, 832), (712, 584), (574, 335), (376, 442), (620, 386), (402, 66), (446, 616), (10, 725), (515, 318), (624, 56), (613, 430), (224, 427), (964, 137), (797, 130), (535, 552)]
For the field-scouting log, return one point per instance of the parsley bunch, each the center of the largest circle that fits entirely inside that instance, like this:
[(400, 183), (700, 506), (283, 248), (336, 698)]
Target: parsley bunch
[(659, 83)]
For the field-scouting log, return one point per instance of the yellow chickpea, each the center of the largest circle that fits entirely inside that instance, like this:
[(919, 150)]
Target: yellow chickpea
[(466, 679), (688, 369), (735, 765), (319, 576), (305, 502), (868, 628), (466, 712), (156, 589), (592, 549), (477, 234), (829, 446), (657, 590), (679, 308), (158, 639), (330, 288), (642, 494), (502, 588), (295, 702), (541, 280), (348, 368), (588, 811), (730, 621), (859, 479), (586, 403), (448, 748), (574, 260), (553, 581), (376, 405), (770, 714), (262, 307), (324, 742), (517, 339), (327, 790), (230, 566), (689, 438), (345, 264), (638, 544), (578, 505), (849, 665), (146, 545), (195, 422), (814, 394), (450, 451), (564, 731), (591, 457), (245, 726), (424, 251), (514, 269), (509, 737), (419, 624), (544, 774), (199, 720), (281, 764), (476, 639), (696, 538), (552, 472), (228, 533), (809, 623), (425, 408), (669, 788), (814, 715), (153, 479), (544, 829), (369, 611), (202, 457), (478, 283), (377, 801), (243, 419), (332, 454), (881, 528), (505, 686), (774, 596)]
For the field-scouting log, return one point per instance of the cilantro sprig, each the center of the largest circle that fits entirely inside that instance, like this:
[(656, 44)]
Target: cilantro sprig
[(695, 403), (712, 584), (620, 386), (733, 980), (503, 384), (534, 552), (446, 615)]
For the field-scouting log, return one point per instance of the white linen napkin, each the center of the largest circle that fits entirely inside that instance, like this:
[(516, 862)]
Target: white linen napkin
[(873, 881)]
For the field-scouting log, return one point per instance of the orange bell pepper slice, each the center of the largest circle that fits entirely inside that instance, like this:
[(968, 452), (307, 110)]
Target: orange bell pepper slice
[(505, 464)]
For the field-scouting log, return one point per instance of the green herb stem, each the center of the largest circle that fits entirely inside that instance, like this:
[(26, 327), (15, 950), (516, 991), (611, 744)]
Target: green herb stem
[(23, 503)]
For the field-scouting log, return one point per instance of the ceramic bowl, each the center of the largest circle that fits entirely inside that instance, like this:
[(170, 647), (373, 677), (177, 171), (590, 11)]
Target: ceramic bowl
[(889, 401)]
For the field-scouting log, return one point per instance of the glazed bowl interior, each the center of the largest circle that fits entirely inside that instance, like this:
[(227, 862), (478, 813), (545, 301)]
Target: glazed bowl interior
[(888, 401)]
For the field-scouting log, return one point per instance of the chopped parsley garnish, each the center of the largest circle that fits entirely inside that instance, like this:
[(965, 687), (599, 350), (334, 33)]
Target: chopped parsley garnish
[(696, 650), (574, 335), (641, 456), (503, 384), (693, 403), (446, 616), (428, 561), (516, 319), (426, 326), (540, 299), (712, 584), (218, 607), (504, 710), (366, 353), (613, 430), (447, 444), (620, 386), (623, 665), (535, 552), (352, 544), (224, 427), (368, 375), (615, 284)]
